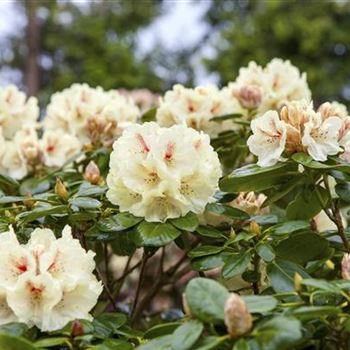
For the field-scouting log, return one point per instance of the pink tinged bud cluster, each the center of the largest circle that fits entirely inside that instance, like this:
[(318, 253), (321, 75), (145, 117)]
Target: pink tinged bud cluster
[(299, 128), (48, 282), (160, 173)]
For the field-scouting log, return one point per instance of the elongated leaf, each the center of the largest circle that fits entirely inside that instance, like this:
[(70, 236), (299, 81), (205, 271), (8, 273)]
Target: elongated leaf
[(186, 335), (10, 342), (188, 223), (204, 250), (85, 202), (119, 222), (260, 303), (231, 212), (39, 212), (288, 227), (236, 265)]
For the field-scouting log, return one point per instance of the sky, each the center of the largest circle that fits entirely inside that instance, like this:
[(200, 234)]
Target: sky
[(180, 26)]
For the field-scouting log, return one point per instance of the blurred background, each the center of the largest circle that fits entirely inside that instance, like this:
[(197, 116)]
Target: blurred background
[(47, 45)]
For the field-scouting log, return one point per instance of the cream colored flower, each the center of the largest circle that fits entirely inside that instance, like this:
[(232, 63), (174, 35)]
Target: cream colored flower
[(47, 282), (90, 114), (196, 107), (58, 146), (13, 161), (269, 138), (321, 137), (286, 84), (16, 110), (160, 173), (333, 109)]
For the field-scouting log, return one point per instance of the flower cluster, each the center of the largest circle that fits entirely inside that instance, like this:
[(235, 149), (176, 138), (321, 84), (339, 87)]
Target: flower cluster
[(196, 107), (47, 282), (90, 114), (269, 88), (299, 128), (160, 173)]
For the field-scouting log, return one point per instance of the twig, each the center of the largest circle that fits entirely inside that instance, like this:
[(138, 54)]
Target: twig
[(107, 290)]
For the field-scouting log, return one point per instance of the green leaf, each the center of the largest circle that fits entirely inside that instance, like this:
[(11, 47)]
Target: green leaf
[(260, 303), (88, 190), (303, 247), (157, 234), (15, 328), (209, 343), (161, 329), (206, 299), (211, 232), (188, 222), (279, 333), (149, 115), (38, 212), (113, 344), (288, 227), (236, 265), (204, 250), (186, 335), (312, 312), (50, 342), (226, 210), (241, 344), (11, 199), (107, 323), (343, 191), (306, 204), (8, 181), (281, 275), (161, 343), (209, 262), (33, 186), (254, 178), (11, 342), (85, 202), (119, 222), (265, 251), (307, 161)]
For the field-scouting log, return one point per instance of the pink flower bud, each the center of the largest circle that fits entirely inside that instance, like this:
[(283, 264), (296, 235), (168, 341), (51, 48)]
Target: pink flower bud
[(249, 96), (92, 173)]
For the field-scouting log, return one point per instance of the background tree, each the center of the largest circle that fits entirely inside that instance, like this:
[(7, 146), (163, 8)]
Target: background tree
[(313, 34), (93, 42)]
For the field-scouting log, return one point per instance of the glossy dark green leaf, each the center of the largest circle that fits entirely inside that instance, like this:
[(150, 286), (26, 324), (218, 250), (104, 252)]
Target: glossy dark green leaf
[(226, 210), (209, 262), (88, 190), (281, 275), (107, 323), (204, 250), (118, 222), (161, 330), (260, 303), (85, 202), (51, 342), (343, 191), (33, 186), (206, 299), (212, 232), (236, 265), (303, 247), (39, 212), (157, 234), (288, 227), (210, 343), (265, 251), (312, 312), (161, 343), (186, 335), (278, 333), (188, 223), (307, 203), (255, 178)]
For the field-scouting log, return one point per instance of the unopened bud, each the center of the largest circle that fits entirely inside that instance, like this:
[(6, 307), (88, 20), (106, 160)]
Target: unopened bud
[(330, 264), (250, 96), (297, 281), (60, 189), (77, 329), (29, 202), (185, 306), (92, 173), (345, 267), (238, 320), (255, 228)]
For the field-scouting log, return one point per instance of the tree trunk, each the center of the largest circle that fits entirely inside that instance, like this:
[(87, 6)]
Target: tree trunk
[(32, 39)]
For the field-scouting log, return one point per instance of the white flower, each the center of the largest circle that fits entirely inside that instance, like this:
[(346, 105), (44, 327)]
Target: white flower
[(286, 84), (195, 108), (268, 139), (58, 146), (16, 110), (90, 114), (160, 173), (333, 109), (321, 137), (47, 282), (13, 162)]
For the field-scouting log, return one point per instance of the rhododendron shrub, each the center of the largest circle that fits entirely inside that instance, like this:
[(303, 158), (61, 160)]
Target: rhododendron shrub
[(206, 218)]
